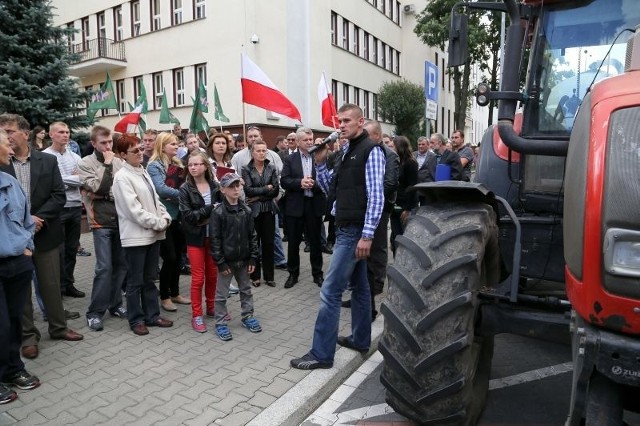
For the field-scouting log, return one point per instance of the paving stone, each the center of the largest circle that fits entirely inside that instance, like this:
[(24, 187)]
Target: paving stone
[(172, 376)]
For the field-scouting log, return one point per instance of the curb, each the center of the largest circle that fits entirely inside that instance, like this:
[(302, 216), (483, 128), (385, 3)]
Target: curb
[(306, 396)]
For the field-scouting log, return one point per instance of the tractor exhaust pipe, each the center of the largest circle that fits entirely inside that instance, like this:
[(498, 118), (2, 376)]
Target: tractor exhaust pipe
[(510, 82)]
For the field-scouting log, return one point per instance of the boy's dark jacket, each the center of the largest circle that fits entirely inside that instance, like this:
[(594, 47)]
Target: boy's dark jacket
[(233, 237)]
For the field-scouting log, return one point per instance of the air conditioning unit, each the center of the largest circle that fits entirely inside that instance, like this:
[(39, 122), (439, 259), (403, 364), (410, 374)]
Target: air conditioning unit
[(409, 9)]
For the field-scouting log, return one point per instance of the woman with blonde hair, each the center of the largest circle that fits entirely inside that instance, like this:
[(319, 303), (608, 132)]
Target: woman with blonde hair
[(167, 173)]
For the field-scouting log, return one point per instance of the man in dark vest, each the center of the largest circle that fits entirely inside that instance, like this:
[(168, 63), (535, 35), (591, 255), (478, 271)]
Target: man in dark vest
[(359, 192)]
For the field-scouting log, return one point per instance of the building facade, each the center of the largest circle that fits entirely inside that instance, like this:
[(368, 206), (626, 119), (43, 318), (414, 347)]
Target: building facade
[(172, 45)]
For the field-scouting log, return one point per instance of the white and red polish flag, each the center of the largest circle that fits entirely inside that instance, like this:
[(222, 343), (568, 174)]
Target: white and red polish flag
[(258, 90), (328, 104), (129, 123)]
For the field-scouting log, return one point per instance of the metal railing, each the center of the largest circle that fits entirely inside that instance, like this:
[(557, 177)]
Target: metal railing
[(99, 48)]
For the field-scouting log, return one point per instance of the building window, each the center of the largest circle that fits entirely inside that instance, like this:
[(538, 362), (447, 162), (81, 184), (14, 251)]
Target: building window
[(158, 90), (118, 31), (334, 28), (199, 11), (85, 33), (374, 51), (71, 38), (88, 100), (137, 87), (396, 68), (156, 22), (375, 107), (396, 13), (356, 96), (345, 34), (201, 75), (135, 18), (176, 12), (120, 96), (365, 46), (356, 40), (178, 87), (345, 93), (365, 104), (382, 55), (334, 92), (102, 25)]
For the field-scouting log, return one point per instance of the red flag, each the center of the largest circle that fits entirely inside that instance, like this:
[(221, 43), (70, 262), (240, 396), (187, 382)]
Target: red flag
[(129, 122), (258, 90), (328, 104)]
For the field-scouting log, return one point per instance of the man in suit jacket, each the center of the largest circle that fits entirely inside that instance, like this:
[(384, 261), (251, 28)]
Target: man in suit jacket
[(290, 148), (304, 208), (442, 155), (40, 179)]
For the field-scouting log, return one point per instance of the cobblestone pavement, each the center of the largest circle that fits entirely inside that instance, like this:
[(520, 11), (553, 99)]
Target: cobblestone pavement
[(171, 376)]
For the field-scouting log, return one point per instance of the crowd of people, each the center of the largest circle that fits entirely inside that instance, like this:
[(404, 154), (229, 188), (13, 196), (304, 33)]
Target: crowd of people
[(216, 205)]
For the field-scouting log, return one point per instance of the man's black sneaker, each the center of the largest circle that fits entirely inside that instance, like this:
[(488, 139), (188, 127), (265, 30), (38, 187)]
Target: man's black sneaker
[(6, 394), (308, 362), (22, 380), (95, 323), (346, 342)]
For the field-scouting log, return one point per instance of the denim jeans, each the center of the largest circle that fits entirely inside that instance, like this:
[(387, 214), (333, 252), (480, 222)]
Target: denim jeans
[(278, 249), (110, 272), (142, 293), (344, 269), (15, 282)]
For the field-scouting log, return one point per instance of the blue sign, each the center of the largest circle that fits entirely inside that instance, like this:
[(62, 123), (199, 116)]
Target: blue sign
[(431, 81)]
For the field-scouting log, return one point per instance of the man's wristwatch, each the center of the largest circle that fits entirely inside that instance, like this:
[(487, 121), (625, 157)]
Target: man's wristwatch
[(366, 238)]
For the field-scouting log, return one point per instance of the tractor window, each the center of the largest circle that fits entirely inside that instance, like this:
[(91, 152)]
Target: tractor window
[(571, 53)]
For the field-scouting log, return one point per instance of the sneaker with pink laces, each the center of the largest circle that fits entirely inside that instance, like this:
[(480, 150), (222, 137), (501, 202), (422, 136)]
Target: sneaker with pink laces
[(198, 324)]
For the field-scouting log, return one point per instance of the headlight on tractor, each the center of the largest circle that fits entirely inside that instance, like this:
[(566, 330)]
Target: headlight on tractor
[(622, 252)]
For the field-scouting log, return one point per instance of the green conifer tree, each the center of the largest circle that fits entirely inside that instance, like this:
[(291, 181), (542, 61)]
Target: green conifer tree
[(34, 66)]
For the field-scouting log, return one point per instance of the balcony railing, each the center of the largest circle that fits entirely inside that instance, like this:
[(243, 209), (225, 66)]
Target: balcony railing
[(99, 48)]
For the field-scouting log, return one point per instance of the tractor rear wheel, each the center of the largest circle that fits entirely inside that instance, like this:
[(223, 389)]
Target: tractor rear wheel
[(436, 370)]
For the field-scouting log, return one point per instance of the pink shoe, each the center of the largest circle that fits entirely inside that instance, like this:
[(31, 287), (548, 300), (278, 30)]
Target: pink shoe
[(198, 324)]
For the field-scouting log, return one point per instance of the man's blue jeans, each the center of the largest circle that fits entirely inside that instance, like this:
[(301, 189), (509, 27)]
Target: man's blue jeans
[(278, 250), (110, 272), (344, 269)]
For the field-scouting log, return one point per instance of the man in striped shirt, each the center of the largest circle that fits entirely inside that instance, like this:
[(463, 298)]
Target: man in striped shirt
[(357, 183)]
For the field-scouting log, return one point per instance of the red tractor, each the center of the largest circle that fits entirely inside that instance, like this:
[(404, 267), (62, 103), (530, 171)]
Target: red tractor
[(546, 241)]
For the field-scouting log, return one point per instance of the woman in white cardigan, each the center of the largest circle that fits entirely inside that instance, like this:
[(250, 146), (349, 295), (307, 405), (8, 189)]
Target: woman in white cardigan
[(142, 220)]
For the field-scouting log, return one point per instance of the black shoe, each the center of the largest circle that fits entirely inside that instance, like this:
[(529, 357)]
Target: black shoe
[(82, 252), (318, 280), (71, 314), (71, 291), (346, 303), (22, 380), (326, 249), (185, 270), (307, 249), (308, 362), (347, 343), (291, 281), (285, 239), (6, 394), (95, 323), (282, 266)]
